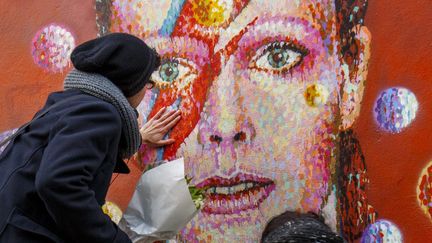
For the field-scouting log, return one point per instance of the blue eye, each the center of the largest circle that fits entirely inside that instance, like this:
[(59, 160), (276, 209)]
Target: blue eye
[(169, 71), (175, 72), (278, 57)]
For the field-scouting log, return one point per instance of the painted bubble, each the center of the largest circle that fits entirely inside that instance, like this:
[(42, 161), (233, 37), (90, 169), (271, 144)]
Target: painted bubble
[(395, 109), (424, 190), (51, 48), (382, 231), (113, 211), (316, 95)]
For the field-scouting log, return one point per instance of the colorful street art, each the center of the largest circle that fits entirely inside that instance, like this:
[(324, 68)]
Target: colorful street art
[(268, 96), (424, 190), (286, 105)]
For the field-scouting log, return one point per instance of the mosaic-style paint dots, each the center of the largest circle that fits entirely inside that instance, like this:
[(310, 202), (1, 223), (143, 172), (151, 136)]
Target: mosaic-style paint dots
[(261, 87), (316, 95), (51, 48), (382, 231), (395, 109), (212, 13), (424, 190)]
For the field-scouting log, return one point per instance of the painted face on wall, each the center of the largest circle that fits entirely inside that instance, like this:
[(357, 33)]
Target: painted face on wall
[(263, 94)]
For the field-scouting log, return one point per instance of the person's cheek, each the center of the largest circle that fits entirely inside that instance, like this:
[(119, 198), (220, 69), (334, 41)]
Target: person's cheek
[(320, 97), (273, 152), (199, 159), (286, 125)]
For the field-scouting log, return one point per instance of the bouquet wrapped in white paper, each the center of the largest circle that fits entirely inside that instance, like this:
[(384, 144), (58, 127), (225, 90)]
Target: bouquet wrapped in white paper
[(161, 204)]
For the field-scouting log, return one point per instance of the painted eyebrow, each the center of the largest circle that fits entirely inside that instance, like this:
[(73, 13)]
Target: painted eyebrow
[(179, 45), (298, 29), (232, 44)]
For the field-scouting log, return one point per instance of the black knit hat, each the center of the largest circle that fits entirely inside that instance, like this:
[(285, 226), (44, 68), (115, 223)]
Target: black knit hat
[(122, 58), (299, 228)]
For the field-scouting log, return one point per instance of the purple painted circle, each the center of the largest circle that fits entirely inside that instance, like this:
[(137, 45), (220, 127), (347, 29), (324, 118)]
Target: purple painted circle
[(51, 48), (382, 231), (395, 109)]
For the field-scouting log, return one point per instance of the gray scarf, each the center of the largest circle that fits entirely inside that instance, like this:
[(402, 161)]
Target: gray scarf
[(102, 88)]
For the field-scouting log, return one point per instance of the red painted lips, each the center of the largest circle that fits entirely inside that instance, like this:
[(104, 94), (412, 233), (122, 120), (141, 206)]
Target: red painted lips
[(235, 194)]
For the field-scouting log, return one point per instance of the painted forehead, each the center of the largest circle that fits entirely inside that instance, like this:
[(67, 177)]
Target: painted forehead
[(317, 13), (182, 46), (211, 17)]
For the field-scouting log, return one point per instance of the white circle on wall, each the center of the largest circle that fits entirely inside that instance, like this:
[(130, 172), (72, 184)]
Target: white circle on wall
[(395, 109), (382, 231), (51, 48)]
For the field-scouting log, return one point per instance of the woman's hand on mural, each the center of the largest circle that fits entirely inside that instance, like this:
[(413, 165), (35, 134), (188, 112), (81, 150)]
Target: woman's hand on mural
[(153, 131)]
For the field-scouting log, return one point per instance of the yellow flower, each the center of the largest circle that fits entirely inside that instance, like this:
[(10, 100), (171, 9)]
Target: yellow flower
[(113, 211)]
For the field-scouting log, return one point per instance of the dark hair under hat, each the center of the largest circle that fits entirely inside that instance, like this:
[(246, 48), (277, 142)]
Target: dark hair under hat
[(122, 58)]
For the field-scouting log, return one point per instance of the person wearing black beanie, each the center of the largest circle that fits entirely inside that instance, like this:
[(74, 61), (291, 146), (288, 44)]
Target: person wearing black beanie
[(56, 169), (296, 227), (122, 58)]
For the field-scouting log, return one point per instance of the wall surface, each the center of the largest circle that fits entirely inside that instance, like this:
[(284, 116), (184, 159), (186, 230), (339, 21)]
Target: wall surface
[(269, 104), (401, 57), (24, 85)]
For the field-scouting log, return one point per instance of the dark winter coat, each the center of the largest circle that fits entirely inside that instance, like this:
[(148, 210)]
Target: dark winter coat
[(55, 176)]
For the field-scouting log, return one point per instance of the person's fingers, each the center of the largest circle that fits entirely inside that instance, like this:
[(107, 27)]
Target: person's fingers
[(146, 125), (164, 122), (171, 124), (165, 142), (167, 114), (159, 113)]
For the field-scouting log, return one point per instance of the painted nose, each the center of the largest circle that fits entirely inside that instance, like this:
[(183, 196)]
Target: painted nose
[(238, 137), (225, 124), (224, 120), (223, 146)]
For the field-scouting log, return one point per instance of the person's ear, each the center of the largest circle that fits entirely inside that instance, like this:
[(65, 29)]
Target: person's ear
[(354, 76)]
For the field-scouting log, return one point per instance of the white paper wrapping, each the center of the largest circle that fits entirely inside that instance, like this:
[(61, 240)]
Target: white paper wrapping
[(161, 204)]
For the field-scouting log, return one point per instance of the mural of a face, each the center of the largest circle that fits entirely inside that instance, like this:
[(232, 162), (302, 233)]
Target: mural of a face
[(264, 94)]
